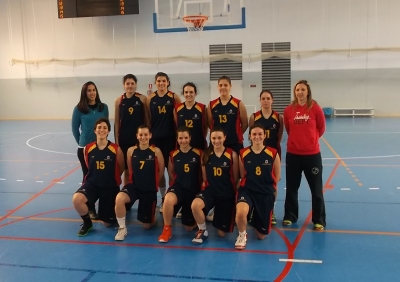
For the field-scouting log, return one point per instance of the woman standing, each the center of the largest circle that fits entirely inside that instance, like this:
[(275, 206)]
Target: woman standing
[(260, 171), (161, 106), (220, 176), (130, 113), (230, 114), (85, 114), (192, 115), (105, 163), (273, 124), (305, 124)]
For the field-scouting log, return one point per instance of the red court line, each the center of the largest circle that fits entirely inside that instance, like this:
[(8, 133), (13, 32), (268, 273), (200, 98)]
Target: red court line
[(328, 184), (34, 215), (292, 247), (37, 194), (156, 246)]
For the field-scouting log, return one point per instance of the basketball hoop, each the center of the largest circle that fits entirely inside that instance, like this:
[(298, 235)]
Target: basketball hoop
[(195, 23)]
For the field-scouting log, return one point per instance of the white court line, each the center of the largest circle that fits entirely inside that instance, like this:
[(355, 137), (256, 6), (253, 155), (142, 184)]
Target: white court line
[(301, 260), (39, 181), (19, 180), (60, 182), (27, 143), (345, 189), (374, 188), (2, 179)]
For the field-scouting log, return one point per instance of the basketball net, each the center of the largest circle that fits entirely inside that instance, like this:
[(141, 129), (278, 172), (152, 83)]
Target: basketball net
[(195, 24)]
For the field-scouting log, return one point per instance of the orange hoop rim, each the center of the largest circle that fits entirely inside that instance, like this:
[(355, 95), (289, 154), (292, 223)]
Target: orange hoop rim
[(197, 20)]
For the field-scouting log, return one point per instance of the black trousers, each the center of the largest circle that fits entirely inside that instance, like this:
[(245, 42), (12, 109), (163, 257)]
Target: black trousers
[(311, 165), (85, 170)]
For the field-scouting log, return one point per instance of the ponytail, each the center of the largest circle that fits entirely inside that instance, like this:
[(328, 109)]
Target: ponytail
[(206, 154)]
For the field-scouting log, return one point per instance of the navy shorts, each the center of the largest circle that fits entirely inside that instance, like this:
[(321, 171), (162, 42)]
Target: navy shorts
[(260, 208), (224, 212), (147, 203), (106, 197), (185, 199), (166, 145)]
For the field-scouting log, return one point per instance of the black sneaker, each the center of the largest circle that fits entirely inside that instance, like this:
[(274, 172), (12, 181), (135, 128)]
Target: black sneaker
[(85, 229), (92, 214)]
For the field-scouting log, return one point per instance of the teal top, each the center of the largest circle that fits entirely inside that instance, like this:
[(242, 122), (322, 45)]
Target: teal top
[(83, 124)]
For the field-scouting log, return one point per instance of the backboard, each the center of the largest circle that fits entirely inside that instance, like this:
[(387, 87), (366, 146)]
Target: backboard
[(222, 14)]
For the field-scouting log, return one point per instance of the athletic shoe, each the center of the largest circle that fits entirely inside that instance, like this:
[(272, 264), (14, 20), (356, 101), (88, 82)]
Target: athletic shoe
[(318, 227), (179, 214), (85, 229), (287, 222), (92, 214), (273, 220), (210, 216), (241, 242), (165, 235), (122, 232), (201, 236)]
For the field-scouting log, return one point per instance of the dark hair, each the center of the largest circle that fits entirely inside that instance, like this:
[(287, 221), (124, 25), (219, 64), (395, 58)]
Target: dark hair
[(191, 84), (83, 102), (309, 95), (129, 76), (103, 119), (164, 75), (224, 77), (256, 125), (207, 152), (143, 126), (184, 129), (266, 91)]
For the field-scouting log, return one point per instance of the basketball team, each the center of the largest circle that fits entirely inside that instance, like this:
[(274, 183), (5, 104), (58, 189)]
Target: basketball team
[(222, 181)]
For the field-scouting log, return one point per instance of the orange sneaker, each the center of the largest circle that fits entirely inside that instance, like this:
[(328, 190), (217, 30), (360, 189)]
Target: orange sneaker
[(165, 235)]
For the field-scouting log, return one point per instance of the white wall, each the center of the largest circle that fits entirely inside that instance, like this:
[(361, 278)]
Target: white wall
[(356, 74)]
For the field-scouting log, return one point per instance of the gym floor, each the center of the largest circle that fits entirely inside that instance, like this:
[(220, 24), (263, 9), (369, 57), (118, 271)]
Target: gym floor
[(39, 173)]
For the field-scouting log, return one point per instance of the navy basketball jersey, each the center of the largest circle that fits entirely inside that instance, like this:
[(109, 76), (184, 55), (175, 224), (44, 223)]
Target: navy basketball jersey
[(193, 119), (228, 118), (162, 115), (144, 172), (131, 116), (187, 169), (271, 125), (219, 172), (103, 170), (259, 176)]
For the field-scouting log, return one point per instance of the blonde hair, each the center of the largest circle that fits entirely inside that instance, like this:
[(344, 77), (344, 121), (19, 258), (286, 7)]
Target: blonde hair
[(309, 95)]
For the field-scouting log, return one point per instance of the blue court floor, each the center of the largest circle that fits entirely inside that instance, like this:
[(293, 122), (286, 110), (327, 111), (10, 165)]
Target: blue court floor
[(39, 173)]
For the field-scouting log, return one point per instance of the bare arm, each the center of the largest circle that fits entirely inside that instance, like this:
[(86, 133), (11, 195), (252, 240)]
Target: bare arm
[(209, 118), (116, 120), (129, 162), (244, 123), (177, 99), (251, 120), (171, 170), (280, 132), (205, 123), (203, 172), (235, 168), (161, 164), (146, 110), (277, 168), (120, 161), (175, 117)]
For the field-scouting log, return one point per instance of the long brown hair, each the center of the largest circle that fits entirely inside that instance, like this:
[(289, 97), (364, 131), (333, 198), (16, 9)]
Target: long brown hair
[(309, 95), (207, 152), (83, 102)]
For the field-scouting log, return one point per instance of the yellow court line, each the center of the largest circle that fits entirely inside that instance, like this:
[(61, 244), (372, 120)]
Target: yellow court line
[(339, 158)]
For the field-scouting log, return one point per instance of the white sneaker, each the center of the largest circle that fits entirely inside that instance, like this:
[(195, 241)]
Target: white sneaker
[(210, 216), (241, 242), (122, 232)]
